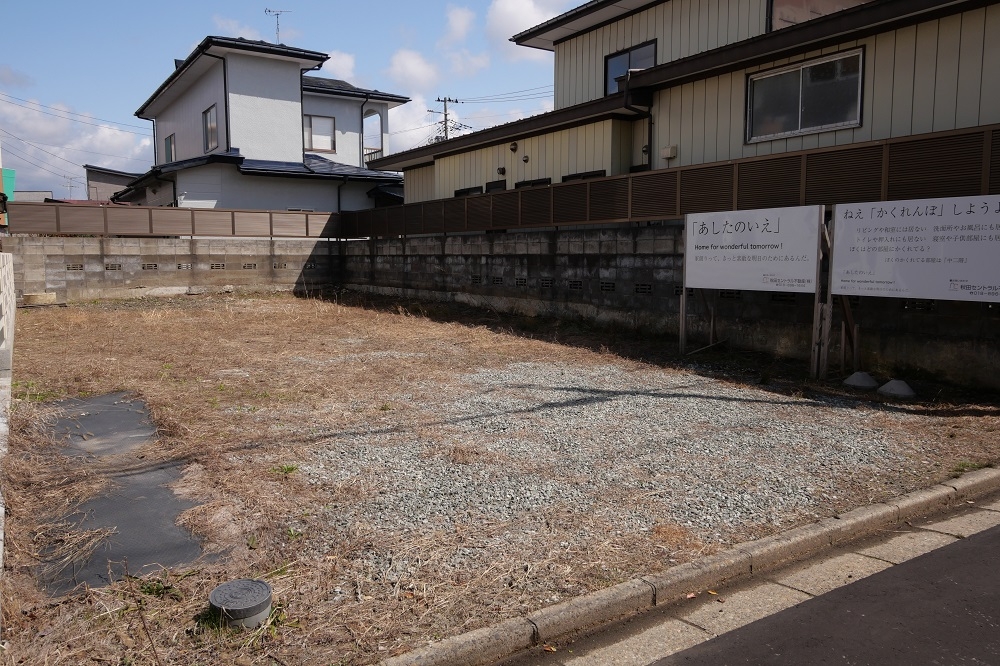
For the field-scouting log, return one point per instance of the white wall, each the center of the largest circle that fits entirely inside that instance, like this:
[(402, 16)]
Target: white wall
[(183, 117), (265, 107)]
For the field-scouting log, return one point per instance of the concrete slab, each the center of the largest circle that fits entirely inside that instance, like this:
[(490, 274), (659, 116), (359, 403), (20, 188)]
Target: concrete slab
[(830, 573), (732, 610), (643, 648), (907, 545), (965, 524)]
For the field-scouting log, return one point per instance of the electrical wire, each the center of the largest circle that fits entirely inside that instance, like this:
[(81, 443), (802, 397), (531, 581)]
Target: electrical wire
[(116, 129), (24, 158), (499, 96), (41, 149), (35, 144), (72, 113)]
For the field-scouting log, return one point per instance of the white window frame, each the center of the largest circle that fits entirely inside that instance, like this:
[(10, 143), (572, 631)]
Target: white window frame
[(859, 53), (170, 148), (210, 128), (307, 133)]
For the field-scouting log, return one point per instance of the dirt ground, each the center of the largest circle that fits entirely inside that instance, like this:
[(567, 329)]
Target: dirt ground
[(245, 389)]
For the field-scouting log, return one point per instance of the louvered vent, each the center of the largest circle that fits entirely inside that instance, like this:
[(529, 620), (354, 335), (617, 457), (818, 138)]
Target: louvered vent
[(707, 189), (609, 199), (569, 203), (505, 209), (536, 207), (454, 214), (995, 164), (654, 195), (434, 217), (946, 167), (480, 213), (770, 183), (414, 215), (844, 176)]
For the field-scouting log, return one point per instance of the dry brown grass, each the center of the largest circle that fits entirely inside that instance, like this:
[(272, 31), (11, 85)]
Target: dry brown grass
[(242, 389)]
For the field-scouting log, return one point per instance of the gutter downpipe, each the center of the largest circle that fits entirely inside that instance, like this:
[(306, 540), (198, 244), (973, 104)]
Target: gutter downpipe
[(647, 114), (225, 93)]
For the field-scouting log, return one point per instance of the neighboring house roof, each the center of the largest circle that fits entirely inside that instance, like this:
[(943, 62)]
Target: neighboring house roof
[(322, 86), (110, 172), (855, 23), (581, 19), (313, 167), (213, 45)]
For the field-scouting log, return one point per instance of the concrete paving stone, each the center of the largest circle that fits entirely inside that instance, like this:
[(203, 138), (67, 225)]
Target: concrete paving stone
[(774, 550), (726, 611), (481, 646), (907, 545), (923, 502), (592, 609), (644, 648), (992, 504), (820, 577), (965, 524)]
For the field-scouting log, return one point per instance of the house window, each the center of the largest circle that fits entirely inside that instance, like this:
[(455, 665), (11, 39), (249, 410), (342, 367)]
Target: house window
[(618, 64), (317, 133), (809, 97), (210, 128), (169, 149)]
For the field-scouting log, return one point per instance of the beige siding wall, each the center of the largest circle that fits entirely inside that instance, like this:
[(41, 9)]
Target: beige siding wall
[(418, 185), (934, 76), (680, 28), (602, 145)]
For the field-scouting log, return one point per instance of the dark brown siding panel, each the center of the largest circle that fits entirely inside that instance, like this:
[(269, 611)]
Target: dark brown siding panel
[(220, 223), (569, 203), (844, 176), (434, 217), (946, 167), (506, 209), (995, 164), (654, 195), (349, 225), (31, 219), (250, 224), (536, 207), (480, 213), (414, 216), (770, 183), (609, 199), (707, 190), (397, 221), (127, 220), (454, 214), (172, 221), (82, 220)]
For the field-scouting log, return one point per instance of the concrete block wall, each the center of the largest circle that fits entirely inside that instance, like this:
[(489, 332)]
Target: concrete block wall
[(77, 269)]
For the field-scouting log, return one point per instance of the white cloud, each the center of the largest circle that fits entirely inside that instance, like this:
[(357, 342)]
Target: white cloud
[(460, 21), (412, 72), (410, 125), (13, 78), (58, 146), (233, 28), (506, 18), (340, 65), (464, 63)]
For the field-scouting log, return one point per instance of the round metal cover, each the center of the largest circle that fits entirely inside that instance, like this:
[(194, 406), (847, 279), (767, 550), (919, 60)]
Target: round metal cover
[(239, 599)]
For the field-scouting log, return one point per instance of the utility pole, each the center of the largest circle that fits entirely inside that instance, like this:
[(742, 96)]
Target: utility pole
[(276, 13), (446, 123)]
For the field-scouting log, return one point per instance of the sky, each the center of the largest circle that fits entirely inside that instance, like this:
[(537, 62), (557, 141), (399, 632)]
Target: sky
[(72, 74)]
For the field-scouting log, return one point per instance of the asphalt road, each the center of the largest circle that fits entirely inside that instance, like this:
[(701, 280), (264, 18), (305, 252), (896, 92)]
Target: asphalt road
[(939, 608)]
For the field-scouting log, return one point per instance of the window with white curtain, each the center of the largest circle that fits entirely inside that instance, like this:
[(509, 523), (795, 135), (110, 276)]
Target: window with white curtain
[(318, 133)]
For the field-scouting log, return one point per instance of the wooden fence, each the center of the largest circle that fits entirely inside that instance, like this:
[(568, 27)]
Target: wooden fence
[(113, 220)]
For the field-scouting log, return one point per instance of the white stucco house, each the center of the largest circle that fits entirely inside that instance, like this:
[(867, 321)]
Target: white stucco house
[(239, 125)]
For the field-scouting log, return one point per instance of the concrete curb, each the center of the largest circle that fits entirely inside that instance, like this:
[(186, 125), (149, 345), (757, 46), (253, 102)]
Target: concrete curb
[(491, 644)]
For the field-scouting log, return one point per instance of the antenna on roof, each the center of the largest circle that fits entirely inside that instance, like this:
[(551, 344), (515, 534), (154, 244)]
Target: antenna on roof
[(276, 13)]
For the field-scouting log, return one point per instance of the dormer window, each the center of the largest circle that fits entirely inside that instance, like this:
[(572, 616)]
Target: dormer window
[(210, 128), (318, 134), (618, 64)]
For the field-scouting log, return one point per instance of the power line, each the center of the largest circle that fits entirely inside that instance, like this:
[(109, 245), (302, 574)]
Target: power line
[(75, 120), (81, 150), (41, 149), (24, 158), (501, 101), (508, 94), (72, 113)]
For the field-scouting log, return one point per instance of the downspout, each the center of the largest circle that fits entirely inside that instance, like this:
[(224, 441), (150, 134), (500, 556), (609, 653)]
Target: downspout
[(361, 134), (647, 114)]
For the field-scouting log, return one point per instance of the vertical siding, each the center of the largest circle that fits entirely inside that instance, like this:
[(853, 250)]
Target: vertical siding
[(418, 185), (680, 28), (938, 75)]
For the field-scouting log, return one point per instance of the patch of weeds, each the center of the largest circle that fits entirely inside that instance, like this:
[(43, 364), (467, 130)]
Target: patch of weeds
[(386, 407), (285, 469), (294, 533), (160, 589), (32, 392), (967, 466)]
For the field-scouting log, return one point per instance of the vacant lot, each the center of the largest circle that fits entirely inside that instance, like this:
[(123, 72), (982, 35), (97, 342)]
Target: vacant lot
[(399, 478)]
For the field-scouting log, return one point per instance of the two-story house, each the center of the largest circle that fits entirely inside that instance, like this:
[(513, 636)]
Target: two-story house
[(741, 104), (238, 125)]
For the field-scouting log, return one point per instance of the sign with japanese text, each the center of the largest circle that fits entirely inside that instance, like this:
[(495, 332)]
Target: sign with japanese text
[(943, 249), (773, 249)]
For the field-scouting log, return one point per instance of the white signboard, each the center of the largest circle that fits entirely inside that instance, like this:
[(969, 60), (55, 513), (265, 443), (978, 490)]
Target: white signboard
[(773, 249), (943, 249)]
